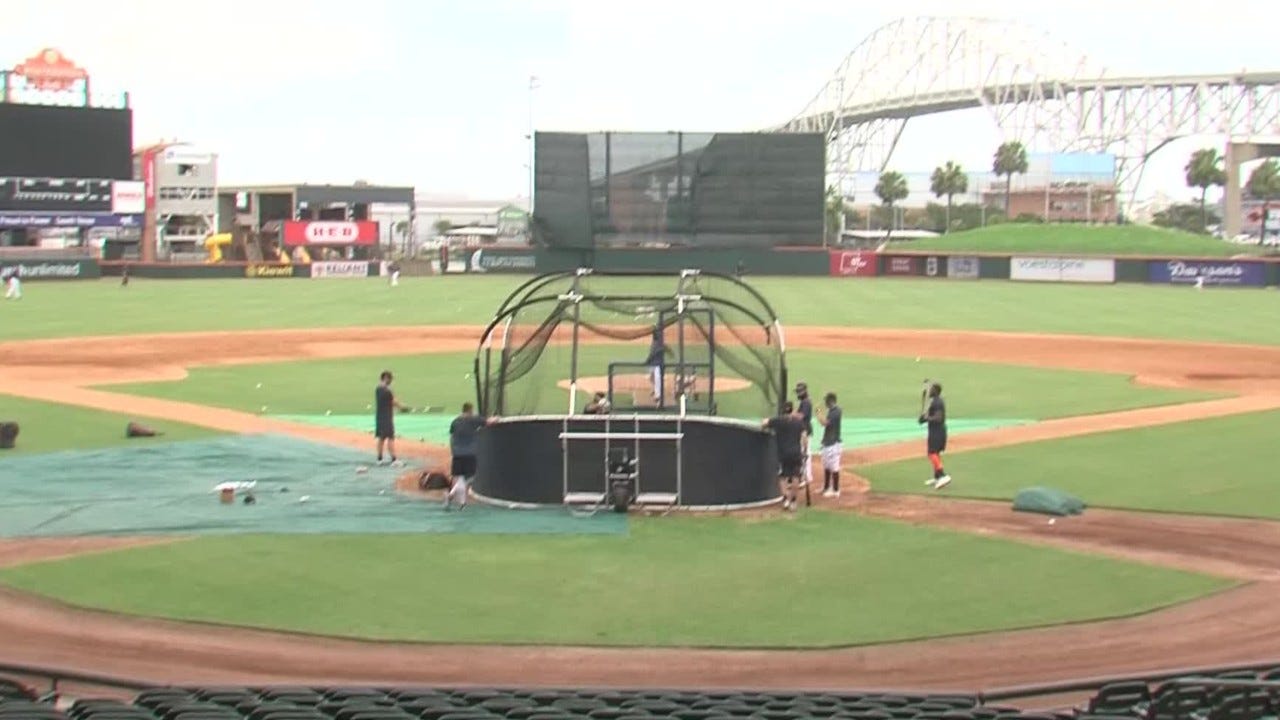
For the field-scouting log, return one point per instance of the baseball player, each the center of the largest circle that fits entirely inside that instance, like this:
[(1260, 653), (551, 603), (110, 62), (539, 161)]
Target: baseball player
[(656, 360), (788, 430), (384, 417), (805, 409), (462, 447), (831, 446), (13, 286), (936, 418)]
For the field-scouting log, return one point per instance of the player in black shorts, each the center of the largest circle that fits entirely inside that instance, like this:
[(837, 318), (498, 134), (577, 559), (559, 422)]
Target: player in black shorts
[(462, 448), (789, 431), (384, 415), (805, 410), (936, 418)]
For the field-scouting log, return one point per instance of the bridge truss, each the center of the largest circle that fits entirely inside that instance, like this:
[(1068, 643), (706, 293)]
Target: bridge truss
[(1036, 90)]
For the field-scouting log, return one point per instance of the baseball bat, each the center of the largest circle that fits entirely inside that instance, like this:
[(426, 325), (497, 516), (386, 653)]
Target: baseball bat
[(924, 396)]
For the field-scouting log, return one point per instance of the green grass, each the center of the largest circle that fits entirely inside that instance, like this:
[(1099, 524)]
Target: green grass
[(872, 386), (817, 579), (1217, 466), (1111, 241), (45, 427), (1143, 311)]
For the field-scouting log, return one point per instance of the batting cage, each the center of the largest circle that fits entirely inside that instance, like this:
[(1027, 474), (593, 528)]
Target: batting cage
[(594, 373)]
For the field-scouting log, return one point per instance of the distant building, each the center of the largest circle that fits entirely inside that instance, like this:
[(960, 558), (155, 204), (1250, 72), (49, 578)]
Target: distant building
[(478, 221), (180, 186)]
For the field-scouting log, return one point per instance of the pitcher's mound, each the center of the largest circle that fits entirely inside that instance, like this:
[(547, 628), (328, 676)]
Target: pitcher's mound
[(639, 381)]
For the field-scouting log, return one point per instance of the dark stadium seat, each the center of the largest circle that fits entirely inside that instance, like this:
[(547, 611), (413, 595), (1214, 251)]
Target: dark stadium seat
[(14, 690), (1121, 698)]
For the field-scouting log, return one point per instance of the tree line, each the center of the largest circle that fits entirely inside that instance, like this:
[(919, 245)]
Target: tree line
[(1204, 170)]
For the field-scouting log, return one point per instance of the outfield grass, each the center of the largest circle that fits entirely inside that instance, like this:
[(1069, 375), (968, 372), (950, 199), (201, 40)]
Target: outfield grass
[(97, 308), (46, 427), (869, 386), (1217, 466), (817, 579), (1110, 241)]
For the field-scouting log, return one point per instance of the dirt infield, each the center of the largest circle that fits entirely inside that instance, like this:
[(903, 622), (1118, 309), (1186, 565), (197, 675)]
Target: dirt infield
[(1238, 625)]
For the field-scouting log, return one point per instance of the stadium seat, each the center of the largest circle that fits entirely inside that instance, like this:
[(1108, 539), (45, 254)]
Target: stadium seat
[(14, 690), (1121, 698)]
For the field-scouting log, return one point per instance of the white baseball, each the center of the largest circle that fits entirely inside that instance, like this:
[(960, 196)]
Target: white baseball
[(264, 408), (259, 386), (328, 412), (917, 358), (1053, 520), (304, 498)]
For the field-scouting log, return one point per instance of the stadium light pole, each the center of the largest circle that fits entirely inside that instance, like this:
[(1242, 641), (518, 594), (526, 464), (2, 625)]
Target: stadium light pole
[(533, 85)]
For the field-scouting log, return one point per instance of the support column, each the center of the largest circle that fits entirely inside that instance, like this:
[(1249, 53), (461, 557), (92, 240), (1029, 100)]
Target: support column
[(1237, 154)]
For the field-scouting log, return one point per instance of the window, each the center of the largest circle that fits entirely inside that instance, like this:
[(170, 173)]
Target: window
[(186, 193)]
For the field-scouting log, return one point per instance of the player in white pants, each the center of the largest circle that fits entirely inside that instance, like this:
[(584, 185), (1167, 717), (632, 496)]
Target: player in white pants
[(13, 287), (832, 447), (804, 406)]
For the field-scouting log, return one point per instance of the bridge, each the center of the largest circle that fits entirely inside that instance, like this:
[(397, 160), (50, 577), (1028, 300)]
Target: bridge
[(1036, 89)]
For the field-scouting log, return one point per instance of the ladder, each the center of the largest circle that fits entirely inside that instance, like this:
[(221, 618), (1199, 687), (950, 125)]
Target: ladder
[(591, 500)]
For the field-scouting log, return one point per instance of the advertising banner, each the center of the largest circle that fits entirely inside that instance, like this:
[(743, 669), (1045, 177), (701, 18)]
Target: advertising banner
[(39, 195), (268, 271), (1214, 272), (962, 267), (67, 220), (52, 269), (340, 269), (512, 261), (128, 197), (853, 263), (1057, 269), (329, 232), (902, 265)]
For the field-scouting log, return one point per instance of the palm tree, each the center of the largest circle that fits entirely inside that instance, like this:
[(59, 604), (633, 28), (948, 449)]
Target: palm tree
[(1264, 184), (1204, 170), (442, 226), (948, 180), (1010, 158), (834, 214), (890, 188)]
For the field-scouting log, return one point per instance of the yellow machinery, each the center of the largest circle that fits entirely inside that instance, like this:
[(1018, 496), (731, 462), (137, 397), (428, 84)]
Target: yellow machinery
[(214, 244)]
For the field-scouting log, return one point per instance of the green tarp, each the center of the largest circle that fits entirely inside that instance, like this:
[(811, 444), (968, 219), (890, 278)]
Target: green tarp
[(856, 432), (169, 488), (1047, 501)]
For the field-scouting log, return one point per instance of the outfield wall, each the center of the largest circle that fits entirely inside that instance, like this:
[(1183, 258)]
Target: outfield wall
[(800, 262)]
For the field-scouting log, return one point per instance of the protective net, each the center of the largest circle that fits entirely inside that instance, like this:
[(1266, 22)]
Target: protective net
[(714, 340)]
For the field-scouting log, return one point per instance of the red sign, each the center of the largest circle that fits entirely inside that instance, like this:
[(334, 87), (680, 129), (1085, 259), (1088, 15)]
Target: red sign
[(330, 232), (853, 263), (149, 176), (902, 265), (49, 69)]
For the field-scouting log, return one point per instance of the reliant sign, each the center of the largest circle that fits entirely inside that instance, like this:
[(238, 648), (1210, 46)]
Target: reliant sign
[(52, 269), (340, 269)]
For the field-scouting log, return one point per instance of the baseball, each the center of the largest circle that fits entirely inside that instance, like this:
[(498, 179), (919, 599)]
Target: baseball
[(259, 386), (917, 358), (264, 409), (304, 498), (1053, 520), (328, 412)]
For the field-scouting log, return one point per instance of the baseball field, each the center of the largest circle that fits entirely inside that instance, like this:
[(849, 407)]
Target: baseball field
[(1157, 405)]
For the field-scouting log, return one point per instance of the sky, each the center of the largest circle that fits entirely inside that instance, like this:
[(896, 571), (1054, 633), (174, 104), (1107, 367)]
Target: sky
[(435, 93)]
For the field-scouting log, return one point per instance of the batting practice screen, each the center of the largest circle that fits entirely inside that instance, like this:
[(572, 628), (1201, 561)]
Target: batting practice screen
[(46, 141), (683, 189)]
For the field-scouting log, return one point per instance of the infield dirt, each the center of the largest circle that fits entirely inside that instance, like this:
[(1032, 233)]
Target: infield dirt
[(1242, 624)]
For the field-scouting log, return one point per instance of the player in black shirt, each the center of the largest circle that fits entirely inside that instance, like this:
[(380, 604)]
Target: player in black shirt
[(384, 415), (936, 417), (832, 448), (805, 410), (788, 430)]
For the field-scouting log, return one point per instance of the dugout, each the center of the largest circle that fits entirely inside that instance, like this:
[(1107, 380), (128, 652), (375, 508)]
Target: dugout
[(689, 363)]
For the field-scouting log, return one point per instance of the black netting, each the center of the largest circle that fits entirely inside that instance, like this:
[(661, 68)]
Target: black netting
[(722, 345), (680, 189)]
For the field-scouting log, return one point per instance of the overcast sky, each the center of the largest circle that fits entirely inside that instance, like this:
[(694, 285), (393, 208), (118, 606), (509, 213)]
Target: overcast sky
[(436, 94)]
